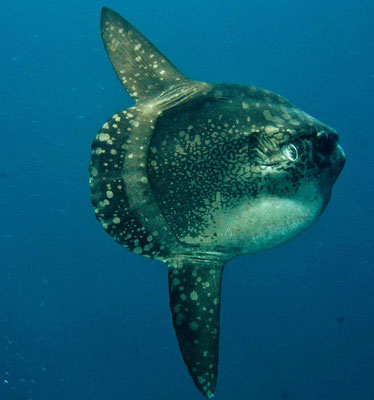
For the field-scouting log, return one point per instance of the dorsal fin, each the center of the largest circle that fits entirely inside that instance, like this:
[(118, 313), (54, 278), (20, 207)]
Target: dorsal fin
[(143, 71)]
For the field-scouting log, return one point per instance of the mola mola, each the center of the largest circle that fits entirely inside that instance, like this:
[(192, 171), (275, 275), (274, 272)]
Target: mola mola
[(197, 173)]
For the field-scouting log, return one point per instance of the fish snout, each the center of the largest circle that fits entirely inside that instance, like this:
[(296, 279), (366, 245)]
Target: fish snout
[(328, 153)]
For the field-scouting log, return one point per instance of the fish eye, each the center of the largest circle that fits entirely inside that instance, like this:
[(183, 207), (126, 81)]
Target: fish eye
[(291, 152)]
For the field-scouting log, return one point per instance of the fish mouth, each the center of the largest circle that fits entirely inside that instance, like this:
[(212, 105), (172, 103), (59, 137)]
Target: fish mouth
[(328, 154)]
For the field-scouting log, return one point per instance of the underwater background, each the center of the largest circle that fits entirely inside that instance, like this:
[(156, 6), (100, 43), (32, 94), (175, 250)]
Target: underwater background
[(82, 318)]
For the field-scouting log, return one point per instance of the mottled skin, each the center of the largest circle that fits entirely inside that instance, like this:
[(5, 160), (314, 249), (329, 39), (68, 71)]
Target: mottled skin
[(197, 173)]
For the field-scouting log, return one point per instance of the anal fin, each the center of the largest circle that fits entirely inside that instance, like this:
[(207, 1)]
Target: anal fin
[(195, 289)]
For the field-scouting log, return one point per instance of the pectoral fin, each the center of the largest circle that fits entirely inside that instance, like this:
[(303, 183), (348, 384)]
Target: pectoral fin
[(195, 289)]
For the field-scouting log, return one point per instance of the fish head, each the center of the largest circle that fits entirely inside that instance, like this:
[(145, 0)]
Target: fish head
[(294, 160)]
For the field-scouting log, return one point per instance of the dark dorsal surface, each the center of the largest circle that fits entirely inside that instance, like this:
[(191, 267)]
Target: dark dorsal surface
[(197, 173)]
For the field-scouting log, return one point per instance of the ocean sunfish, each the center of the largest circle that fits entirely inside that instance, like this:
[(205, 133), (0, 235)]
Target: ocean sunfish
[(197, 173)]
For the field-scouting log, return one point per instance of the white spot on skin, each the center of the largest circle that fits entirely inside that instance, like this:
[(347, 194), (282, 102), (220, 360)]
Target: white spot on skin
[(109, 194), (134, 122), (245, 105), (194, 296), (194, 326), (271, 129), (148, 247), (104, 137), (175, 282), (179, 149), (116, 220), (218, 94), (180, 318)]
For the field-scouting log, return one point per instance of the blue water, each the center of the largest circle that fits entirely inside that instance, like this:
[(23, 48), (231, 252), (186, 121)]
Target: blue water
[(83, 319)]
